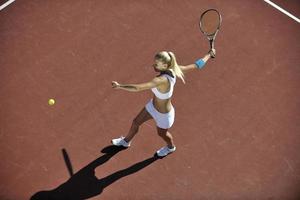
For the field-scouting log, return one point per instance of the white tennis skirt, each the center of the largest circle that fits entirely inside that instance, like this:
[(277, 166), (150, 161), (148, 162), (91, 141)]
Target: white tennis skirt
[(163, 120)]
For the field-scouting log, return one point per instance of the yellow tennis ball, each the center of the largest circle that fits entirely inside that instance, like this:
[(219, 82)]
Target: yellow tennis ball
[(51, 102)]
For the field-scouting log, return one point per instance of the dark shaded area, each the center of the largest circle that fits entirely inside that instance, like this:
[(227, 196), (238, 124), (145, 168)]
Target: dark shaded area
[(84, 184), (68, 162)]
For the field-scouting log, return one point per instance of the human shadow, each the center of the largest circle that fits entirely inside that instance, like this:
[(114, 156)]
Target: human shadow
[(84, 184)]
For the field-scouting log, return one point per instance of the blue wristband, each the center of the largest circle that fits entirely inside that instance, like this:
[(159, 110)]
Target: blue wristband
[(200, 63)]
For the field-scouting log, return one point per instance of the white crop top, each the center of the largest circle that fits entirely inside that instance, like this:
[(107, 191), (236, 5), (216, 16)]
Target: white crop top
[(168, 94)]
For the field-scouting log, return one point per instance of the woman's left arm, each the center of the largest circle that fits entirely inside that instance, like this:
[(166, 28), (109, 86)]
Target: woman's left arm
[(138, 87), (187, 68), (200, 62)]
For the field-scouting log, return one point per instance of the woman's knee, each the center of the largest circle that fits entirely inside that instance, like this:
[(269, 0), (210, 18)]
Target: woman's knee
[(162, 132)]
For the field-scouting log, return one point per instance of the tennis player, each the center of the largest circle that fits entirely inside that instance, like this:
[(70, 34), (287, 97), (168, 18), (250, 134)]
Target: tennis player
[(159, 107)]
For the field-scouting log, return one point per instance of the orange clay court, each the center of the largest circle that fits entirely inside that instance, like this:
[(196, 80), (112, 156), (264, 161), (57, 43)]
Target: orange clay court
[(236, 130)]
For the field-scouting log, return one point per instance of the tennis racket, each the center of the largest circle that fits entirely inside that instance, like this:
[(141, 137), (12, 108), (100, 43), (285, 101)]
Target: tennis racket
[(209, 24)]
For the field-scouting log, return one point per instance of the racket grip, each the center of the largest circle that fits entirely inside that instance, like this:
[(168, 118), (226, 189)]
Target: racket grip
[(212, 54)]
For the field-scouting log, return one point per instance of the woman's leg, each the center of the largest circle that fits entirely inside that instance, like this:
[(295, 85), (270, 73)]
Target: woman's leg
[(142, 117), (166, 136)]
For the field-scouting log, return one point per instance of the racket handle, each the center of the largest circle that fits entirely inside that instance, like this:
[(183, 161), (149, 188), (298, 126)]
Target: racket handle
[(211, 44)]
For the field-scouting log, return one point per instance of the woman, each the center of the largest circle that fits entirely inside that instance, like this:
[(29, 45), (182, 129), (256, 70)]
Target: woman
[(159, 108)]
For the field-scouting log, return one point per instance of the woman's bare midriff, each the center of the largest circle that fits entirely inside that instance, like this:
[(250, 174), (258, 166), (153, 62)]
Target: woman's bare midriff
[(162, 105)]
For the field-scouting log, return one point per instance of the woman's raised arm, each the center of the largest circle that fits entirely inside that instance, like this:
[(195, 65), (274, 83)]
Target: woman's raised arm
[(199, 63)]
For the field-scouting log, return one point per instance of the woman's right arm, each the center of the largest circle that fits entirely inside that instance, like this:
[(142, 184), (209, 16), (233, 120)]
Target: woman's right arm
[(199, 63), (140, 87)]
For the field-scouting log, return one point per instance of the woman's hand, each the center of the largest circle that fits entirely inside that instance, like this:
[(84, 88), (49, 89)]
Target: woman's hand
[(212, 53), (115, 85)]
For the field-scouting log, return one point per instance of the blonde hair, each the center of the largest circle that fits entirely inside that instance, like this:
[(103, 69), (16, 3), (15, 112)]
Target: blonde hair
[(170, 59)]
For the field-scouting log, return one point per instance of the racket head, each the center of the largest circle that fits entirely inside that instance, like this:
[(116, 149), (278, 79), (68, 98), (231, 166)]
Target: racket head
[(210, 22)]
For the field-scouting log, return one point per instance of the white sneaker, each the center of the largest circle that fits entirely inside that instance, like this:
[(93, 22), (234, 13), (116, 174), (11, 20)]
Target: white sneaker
[(165, 151), (120, 142)]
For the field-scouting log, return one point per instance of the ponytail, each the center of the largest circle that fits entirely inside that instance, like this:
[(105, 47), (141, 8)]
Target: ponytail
[(170, 59), (174, 66)]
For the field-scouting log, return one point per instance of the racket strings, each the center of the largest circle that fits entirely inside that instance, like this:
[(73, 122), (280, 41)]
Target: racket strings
[(210, 22)]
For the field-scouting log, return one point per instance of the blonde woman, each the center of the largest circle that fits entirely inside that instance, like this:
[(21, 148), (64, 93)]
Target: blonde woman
[(160, 107)]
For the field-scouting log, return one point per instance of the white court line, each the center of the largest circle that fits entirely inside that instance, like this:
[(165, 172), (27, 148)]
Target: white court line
[(282, 10), (6, 4)]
